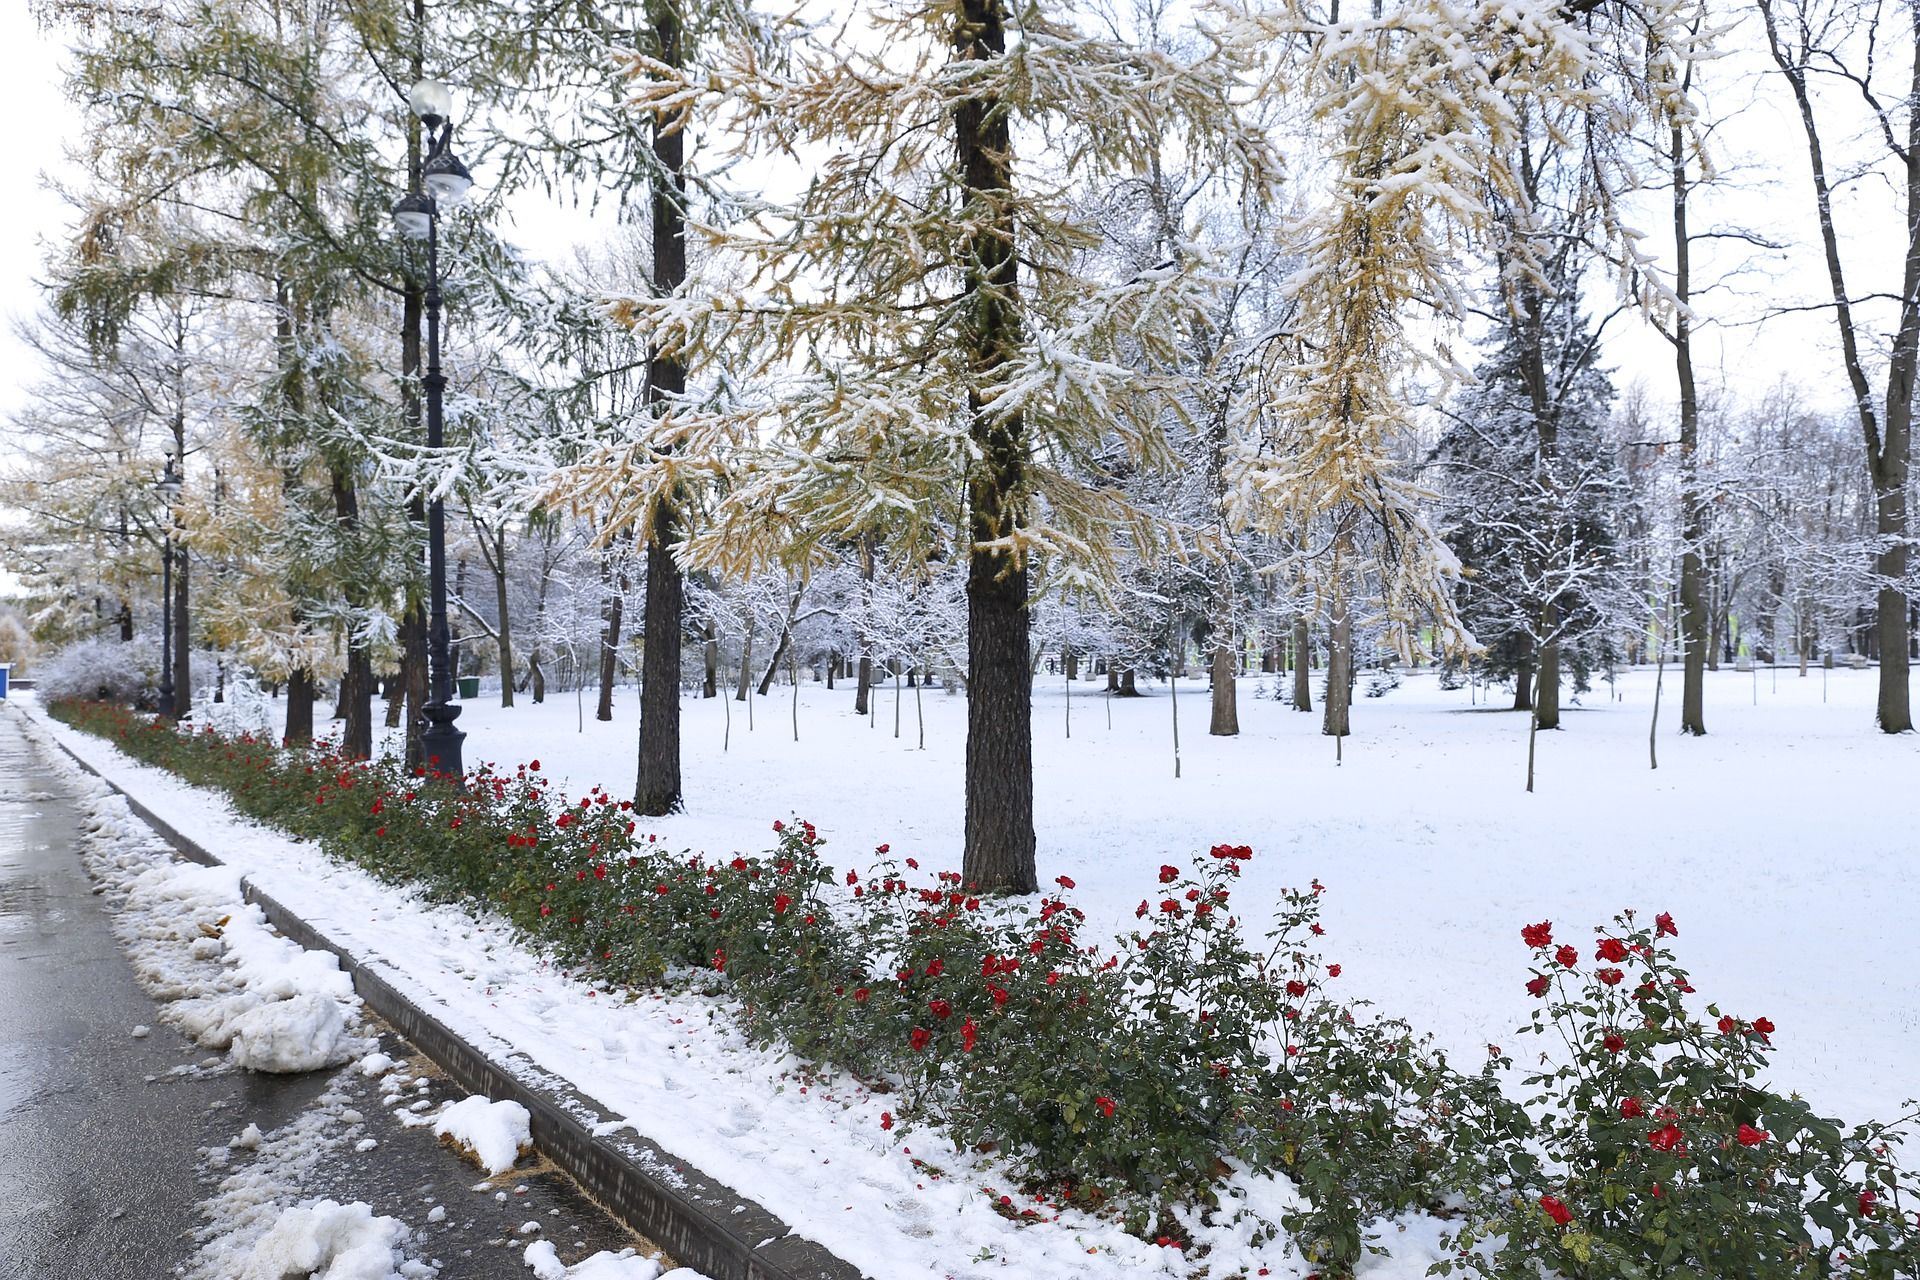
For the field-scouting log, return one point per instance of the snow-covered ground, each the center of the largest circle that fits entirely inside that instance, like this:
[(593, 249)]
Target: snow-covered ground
[(1782, 844), (1786, 842)]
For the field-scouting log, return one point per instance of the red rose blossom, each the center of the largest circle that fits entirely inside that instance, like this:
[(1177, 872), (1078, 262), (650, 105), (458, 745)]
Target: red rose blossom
[(1663, 926), (1169, 874), (918, 1038), (1667, 1138), (1612, 950), (1537, 935), (1750, 1136), (1539, 985), (1611, 977), (1631, 1109), (1105, 1104), (1560, 1214)]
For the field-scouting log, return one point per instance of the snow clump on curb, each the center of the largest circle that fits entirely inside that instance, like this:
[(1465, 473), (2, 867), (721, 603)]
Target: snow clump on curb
[(494, 1133), (326, 1240)]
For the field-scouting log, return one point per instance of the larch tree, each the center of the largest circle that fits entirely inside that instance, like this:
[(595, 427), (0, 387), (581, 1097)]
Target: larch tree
[(942, 359)]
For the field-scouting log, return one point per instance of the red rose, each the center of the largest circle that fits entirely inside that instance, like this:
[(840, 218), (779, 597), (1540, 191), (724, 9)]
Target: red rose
[(1333, 971), (886, 1120), (781, 902), (918, 1038), (967, 1033), (1560, 1214), (1867, 1201), (1667, 1138), (936, 968), (1105, 1105), (1663, 926), (1170, 906), (1537, 935), (941, 1009), (535, 766), (1763, 1025), (1727, 1024), (860, 994), (779, 826), (1614, 1042), (1065, 882), (1750, 1136), (1169, 874), (1140, 910), (1610, 976), (1612, 950), (1631, 1109), (1567, 956), (1539, 985)]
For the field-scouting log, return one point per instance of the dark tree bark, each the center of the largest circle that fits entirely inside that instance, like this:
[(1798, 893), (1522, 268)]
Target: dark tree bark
[(1225, 720), (999, 756), (613, 576), (182, 649), (1335, 719), (711, 659), (657, 789), (863, 682), (1302, 647), (299, 708), (356, 686), (1693, 514)]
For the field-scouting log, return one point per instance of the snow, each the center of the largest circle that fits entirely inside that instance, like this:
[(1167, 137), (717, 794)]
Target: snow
[(325, 1240), (544, 1261), (224, 977), (494, 1133), (1779, 842)]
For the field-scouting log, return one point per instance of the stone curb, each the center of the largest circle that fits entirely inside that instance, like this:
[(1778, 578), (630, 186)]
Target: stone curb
[(700, 1222)]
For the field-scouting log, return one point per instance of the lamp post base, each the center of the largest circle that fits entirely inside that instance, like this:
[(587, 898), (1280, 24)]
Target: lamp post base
[(441, 743)]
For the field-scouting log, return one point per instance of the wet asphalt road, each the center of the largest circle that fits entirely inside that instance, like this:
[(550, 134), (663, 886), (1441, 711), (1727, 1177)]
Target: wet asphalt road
[(105, 1138)]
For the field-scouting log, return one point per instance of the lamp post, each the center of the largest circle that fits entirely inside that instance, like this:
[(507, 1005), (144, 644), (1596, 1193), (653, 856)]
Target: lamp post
[(446, 181), (169, 487)]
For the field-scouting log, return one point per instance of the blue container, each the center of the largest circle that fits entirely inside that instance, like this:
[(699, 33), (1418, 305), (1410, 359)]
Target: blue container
[(6, 669)]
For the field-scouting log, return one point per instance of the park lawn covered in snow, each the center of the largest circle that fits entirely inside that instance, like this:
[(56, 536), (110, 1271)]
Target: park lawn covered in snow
[(1782, 842)]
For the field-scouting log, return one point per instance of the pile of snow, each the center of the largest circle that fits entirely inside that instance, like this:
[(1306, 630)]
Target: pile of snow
[(544, 1261), (493, 1133), (326, 1240), (223, 977)]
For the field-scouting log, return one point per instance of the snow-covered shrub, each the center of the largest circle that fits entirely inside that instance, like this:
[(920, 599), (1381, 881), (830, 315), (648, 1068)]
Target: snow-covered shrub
[(1661, 1150), (245, 706), (108, 670), (1381, 681)]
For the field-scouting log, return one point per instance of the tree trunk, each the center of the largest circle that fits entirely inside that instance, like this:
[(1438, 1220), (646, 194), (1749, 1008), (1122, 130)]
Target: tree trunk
[(613, 576), (356, 686), (1225, 722), (657, 790), (1339, 662), (746, 666), (505, 637), (1546, 705), (710, 658), (299, 707), (863, 684), (1693, 604), (1523, 684), (1127, 687), (413, 673), (999, 851), (182, 651), (1302, 683)]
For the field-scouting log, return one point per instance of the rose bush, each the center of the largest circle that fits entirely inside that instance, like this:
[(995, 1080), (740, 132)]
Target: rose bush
[(1660, 1150)]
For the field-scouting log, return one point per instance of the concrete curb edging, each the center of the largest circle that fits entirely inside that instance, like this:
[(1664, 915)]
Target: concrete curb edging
[(699, 1221)]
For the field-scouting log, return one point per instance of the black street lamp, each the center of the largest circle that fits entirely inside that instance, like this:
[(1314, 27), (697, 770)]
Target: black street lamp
[(169, 487), (418, 215)]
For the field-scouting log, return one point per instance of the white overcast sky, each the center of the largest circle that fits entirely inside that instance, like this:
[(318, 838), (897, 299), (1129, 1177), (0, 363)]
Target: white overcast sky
[(1762, 140)]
